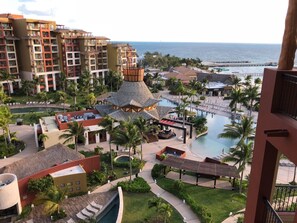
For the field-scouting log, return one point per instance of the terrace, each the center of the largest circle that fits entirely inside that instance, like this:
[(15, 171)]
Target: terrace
[(87, 118)]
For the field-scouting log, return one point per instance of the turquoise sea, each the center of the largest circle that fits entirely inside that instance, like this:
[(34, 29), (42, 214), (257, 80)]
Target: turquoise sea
[(255, 53)]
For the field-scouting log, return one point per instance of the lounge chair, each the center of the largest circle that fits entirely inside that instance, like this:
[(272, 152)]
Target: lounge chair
[(70, 220), (81, 216), (95, 205), (90, 208), (87, 213), (30, 221)]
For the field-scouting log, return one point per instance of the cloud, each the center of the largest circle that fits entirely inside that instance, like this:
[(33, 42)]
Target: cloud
[(26, 0), (26, 11)]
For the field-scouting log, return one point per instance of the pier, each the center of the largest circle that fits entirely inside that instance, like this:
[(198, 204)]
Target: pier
[(239, 64)]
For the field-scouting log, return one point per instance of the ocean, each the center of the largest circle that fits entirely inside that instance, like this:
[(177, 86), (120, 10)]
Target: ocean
[(255, 53)]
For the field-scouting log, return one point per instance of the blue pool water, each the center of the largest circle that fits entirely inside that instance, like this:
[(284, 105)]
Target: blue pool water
[(209, 145), (34, 109), (110, 214)]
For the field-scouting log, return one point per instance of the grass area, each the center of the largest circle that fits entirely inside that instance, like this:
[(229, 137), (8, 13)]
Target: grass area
[(30, 118), (136, 209), (218, 202)]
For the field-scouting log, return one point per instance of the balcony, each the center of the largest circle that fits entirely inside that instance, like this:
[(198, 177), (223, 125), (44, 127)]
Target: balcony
[(287, 103), (283, 206)]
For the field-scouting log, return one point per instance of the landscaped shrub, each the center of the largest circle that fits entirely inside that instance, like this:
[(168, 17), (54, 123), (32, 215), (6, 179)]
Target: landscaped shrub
[(40, 185), (10, 149), (202, 97), (178, 185), (138, 185), (96, 178), (158, 171), (25, 212), (136, 163)]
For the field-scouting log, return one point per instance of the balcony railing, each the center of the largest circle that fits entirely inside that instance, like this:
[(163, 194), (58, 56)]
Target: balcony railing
[(285, 198), (288, 102), (270, 215)]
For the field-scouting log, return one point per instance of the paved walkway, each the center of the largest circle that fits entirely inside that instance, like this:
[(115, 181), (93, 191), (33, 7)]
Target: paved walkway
[(25, 133)]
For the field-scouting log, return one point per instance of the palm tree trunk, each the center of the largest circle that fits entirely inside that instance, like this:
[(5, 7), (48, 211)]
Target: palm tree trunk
[(8, 88), (141, 151), (111, 158), (130, 163), (240, 183), (251, 108), (75, 144)]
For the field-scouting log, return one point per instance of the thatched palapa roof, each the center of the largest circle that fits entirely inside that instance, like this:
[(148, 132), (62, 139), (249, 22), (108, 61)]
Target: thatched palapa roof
[(44, 159)]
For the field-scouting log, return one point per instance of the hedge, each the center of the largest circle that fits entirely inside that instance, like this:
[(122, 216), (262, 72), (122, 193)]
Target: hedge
[(138, 185)]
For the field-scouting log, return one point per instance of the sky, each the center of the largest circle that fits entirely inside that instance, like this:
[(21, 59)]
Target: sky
[(234, 21)]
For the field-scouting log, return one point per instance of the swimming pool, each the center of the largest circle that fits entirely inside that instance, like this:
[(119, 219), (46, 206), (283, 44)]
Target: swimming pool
[(110, 214), (34, 109), (209, 145)]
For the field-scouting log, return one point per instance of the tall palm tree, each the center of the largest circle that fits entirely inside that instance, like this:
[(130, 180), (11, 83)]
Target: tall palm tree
[(191, 93), (184, 105), (3, 96), (163, 209), (5, 119), (63, 81), (243, 130), (91, 100), (27, 87), (61, 97), (5, 76), (251, 98), (72, 90), (141, 124), (43, 96), (235, 97), (75, 130), (108, 124), (51, 200), (127, 135), (241, 155), (236, 82)]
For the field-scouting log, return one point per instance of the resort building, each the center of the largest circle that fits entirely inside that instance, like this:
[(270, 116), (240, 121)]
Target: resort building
[(182, 73), (8, 55), (133, 99), (120, 57), (216, 84), (10, 202), (65, 165), (81, 51), (37, 51), (72, 179), (275, 136), (54, 126)]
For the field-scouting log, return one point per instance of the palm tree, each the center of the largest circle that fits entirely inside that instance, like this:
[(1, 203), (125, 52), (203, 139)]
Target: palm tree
[(72, 91), (3, 96), (241, 155), (251, 98), (6, 77), (61, 97), (42, 138), (108, 124), (243, 130), (5, 119), (85, 81), (75, 130), (164, 209), (91, 100), (141, 124), (184, 105), (43, 96), (63, 81), (191, 93), (235, 97), (247, 81), (236, 82), (27, 87), (51, 199), (127, 135)]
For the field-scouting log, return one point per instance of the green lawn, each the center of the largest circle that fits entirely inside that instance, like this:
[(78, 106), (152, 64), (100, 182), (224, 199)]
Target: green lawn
[(136, 209), (218, 202)]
